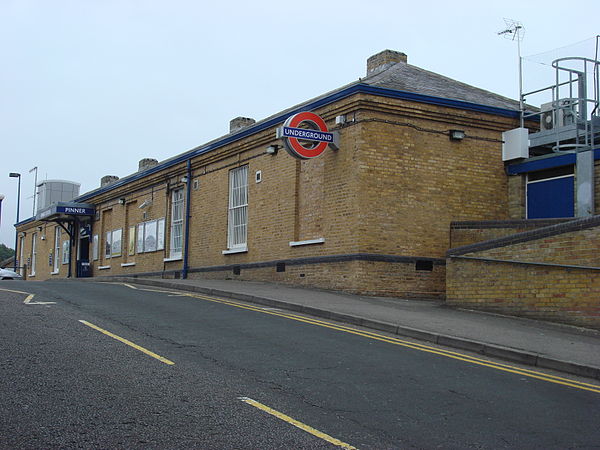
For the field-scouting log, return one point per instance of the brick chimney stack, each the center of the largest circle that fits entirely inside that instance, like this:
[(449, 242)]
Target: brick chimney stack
[(384, 59)]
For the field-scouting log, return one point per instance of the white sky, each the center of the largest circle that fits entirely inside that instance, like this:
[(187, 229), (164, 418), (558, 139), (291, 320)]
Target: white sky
[(89, 87)]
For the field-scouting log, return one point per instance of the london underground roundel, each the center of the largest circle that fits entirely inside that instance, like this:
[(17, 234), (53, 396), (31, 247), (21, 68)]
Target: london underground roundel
[(305, 135)]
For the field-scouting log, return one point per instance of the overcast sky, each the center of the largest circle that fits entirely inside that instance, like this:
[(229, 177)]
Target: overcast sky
[(89, 87)]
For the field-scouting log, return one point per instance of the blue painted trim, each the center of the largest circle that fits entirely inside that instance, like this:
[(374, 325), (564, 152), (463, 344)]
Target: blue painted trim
[(546, 163), (357, 88), (188, 205), (23, 222)]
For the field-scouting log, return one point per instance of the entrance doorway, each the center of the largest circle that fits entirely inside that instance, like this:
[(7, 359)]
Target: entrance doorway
[(83, 261)]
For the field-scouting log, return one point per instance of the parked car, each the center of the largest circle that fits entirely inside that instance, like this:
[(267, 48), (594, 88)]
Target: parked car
[(6, 274)]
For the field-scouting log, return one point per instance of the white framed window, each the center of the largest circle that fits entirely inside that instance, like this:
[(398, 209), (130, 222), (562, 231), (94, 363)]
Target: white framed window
[(22, 256), (160, 234), (66, 253), (33, 253), (56, 257), (95, 247), (237, 223), (176, 242)]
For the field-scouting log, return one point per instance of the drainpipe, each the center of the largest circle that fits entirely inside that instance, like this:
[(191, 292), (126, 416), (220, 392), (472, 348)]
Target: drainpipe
[(186, 241), (71, 248)]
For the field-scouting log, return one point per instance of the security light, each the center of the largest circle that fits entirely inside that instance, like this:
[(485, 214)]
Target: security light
[(272, 149), (457, 135)]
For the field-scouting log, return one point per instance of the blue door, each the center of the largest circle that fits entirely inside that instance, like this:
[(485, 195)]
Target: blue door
[(551, 198)]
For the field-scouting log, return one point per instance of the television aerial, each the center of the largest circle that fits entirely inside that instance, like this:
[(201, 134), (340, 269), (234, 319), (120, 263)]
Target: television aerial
[(515, 31)]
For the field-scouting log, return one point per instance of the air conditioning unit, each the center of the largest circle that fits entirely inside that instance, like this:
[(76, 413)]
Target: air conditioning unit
[(560, 116)]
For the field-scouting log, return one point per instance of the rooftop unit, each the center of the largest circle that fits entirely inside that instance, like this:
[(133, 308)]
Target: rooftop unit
[(571, 121), (54, 191)]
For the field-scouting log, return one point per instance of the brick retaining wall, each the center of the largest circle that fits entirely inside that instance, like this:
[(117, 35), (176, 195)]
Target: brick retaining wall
[(551, 273)]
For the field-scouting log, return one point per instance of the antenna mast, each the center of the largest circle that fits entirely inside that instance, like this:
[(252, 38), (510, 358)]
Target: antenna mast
[(515, 31)]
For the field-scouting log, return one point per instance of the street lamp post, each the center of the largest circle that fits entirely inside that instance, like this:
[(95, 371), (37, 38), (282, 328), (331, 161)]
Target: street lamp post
[(1, 198), (34, 188), (17, 175)]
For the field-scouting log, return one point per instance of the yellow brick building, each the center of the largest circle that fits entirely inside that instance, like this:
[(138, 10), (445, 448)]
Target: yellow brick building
[(416, 151)]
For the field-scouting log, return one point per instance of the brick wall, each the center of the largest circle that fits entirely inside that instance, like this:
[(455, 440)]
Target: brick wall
[(414, 181), (516, 196), (532, 274), (377, 278), (391, 190)]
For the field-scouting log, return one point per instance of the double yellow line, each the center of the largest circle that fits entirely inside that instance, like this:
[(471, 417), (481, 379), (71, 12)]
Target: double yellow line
[(127, 342), (415, 346)]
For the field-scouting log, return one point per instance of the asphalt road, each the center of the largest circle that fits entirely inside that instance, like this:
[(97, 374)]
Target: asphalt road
[(196, 372)]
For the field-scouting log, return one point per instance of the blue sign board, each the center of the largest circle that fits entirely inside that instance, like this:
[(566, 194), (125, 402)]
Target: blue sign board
[(75, 210), (311, 135)]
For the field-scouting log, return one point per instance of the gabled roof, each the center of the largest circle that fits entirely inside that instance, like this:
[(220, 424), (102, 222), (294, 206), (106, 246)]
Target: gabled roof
[(405, 77)]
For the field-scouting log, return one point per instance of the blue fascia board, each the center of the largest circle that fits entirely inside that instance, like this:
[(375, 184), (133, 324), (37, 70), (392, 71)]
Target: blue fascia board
[(546, 163), (357, 88), (24, 222)]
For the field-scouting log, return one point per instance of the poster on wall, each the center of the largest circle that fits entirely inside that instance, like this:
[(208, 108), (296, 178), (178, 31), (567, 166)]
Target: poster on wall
[(116, 242), (131, 241), (150, 236)]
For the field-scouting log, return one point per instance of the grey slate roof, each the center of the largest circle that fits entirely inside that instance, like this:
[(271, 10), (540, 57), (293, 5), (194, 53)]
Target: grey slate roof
[(397, 76), (405, 77)]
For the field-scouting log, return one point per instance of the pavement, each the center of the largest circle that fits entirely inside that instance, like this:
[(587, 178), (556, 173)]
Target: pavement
[(546, 345)]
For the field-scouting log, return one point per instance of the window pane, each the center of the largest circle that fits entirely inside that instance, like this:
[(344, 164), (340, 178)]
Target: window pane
[(95, 247), (56, 264), (160, 235), (66, 252)]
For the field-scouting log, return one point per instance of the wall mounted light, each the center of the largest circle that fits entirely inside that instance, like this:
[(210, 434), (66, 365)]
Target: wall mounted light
[(184, 179), (121, 201), (456, 135), (272, 149)]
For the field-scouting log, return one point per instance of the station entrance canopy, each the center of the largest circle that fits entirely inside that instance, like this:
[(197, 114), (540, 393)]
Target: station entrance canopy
[(66, 211), (75, 219)]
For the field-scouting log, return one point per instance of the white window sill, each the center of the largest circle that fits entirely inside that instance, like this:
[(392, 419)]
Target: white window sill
[(307, 242), (128, 264), (103, 267), (174, 258), (54, 273), (231, 251)]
